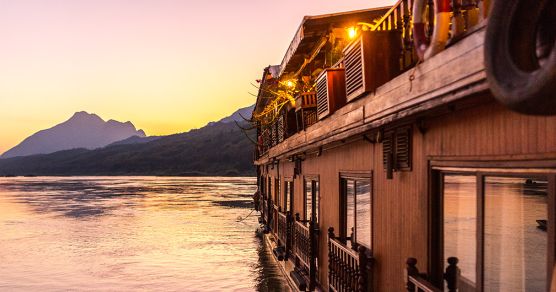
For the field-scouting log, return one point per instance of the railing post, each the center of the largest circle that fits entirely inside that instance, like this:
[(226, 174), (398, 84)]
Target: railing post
[(313, 255), (330, 257), (362, 281), (411, 270), (269, 212), (289, 231), (452, 274), (294, 238)]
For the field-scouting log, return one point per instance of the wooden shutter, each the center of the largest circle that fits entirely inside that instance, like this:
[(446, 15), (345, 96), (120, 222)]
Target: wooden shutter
[(402, 157), (398, 143), (353, 63), (322, 95), (387, 147)]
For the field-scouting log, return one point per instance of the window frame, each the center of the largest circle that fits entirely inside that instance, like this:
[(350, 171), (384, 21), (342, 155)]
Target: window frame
[(315, 196), (277, 192), (269, 186), (480, 170), (288, 200), (355, 176)]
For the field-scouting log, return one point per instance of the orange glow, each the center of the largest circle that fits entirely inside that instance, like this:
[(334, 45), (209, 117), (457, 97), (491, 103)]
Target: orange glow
[(147, 62), (352, 32)]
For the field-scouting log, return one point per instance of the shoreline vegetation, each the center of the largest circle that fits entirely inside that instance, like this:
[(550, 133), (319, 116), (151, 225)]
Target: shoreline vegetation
[(218, 149)]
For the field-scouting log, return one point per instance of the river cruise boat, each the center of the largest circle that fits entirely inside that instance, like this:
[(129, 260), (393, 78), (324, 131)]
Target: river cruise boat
[(413, 148)]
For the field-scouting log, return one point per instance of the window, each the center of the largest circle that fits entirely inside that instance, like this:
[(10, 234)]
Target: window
[(311, 206), (262, 186), (460, 224), (288, 196), (356, 210), (269, 185), (396, 146), (277, 193), (496, 225), (515, 247)]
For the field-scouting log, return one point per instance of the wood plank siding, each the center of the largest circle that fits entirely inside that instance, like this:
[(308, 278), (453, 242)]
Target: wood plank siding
[(445, 106), (487, 132), (452, 75)]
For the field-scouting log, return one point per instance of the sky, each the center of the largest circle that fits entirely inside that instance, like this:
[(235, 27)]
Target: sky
[(166, 65)]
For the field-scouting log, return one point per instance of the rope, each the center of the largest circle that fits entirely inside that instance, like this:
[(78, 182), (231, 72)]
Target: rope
[(239, 219), (412, 75)]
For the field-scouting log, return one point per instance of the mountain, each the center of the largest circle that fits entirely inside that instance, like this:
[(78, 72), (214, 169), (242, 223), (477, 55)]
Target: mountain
[(239, 115), (218, 149), (136, 140), (82, 130)]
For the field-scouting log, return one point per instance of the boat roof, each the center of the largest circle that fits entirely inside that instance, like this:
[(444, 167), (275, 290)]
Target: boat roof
[(263, 97), (313, 28)]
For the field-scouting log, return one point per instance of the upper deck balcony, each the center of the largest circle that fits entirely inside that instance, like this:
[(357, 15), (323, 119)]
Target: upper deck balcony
[(377, 79)]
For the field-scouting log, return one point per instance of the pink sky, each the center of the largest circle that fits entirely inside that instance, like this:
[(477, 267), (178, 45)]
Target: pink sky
[(166, 65)]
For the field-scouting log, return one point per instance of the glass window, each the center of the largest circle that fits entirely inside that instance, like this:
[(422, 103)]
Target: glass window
[(311, 208), (269, 190), (308, 200), (286, 199), (316, 197), (277, 193), (363, 212), (515, 234), (288, 202), (460, 225), (357, 212), (514, 224), (349, 229)]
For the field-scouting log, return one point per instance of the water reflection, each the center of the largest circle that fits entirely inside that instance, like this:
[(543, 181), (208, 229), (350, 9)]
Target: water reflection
[(515, 240), (131, 233)]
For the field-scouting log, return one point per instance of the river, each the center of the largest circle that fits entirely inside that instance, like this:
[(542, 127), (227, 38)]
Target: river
[(132, 233)]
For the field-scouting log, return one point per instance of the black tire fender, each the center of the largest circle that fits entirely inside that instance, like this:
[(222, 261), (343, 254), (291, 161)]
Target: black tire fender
[(520, 55)]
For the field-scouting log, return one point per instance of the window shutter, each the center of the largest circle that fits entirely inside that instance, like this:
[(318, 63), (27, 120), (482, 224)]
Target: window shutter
[(322, 95), (353, 61), (397, 143), (387, 147), (402, 157)]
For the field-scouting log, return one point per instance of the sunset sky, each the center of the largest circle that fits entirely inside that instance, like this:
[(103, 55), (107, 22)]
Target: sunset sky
[(165, 65)]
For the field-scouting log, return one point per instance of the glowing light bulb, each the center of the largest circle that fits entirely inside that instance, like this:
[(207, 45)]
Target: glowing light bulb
[(352, 32), (290, 83)]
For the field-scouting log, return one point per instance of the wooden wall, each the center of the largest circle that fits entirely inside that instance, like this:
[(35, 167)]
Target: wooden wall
[(400, 227), (491, 132)]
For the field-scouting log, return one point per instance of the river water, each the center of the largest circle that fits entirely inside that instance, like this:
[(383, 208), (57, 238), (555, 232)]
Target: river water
[(132, 233)]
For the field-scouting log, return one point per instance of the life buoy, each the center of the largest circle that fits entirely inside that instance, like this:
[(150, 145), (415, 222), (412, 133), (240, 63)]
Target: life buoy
[(425, 48), (520, 55)]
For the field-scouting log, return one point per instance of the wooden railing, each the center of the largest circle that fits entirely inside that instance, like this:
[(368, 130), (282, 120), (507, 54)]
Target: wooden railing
[(305, 248), (466, 15), (310, 117), (398, 18), (268, 210), (306, 110), (302, 244), (275, 212), (417, 282), (282, 228), (264, 210), (348, 270), (306, 100), (285, 234)]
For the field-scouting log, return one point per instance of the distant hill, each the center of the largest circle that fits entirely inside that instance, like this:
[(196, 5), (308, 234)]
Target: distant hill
[(220, 148), (82, 130), (135, 140), (239, 115)]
